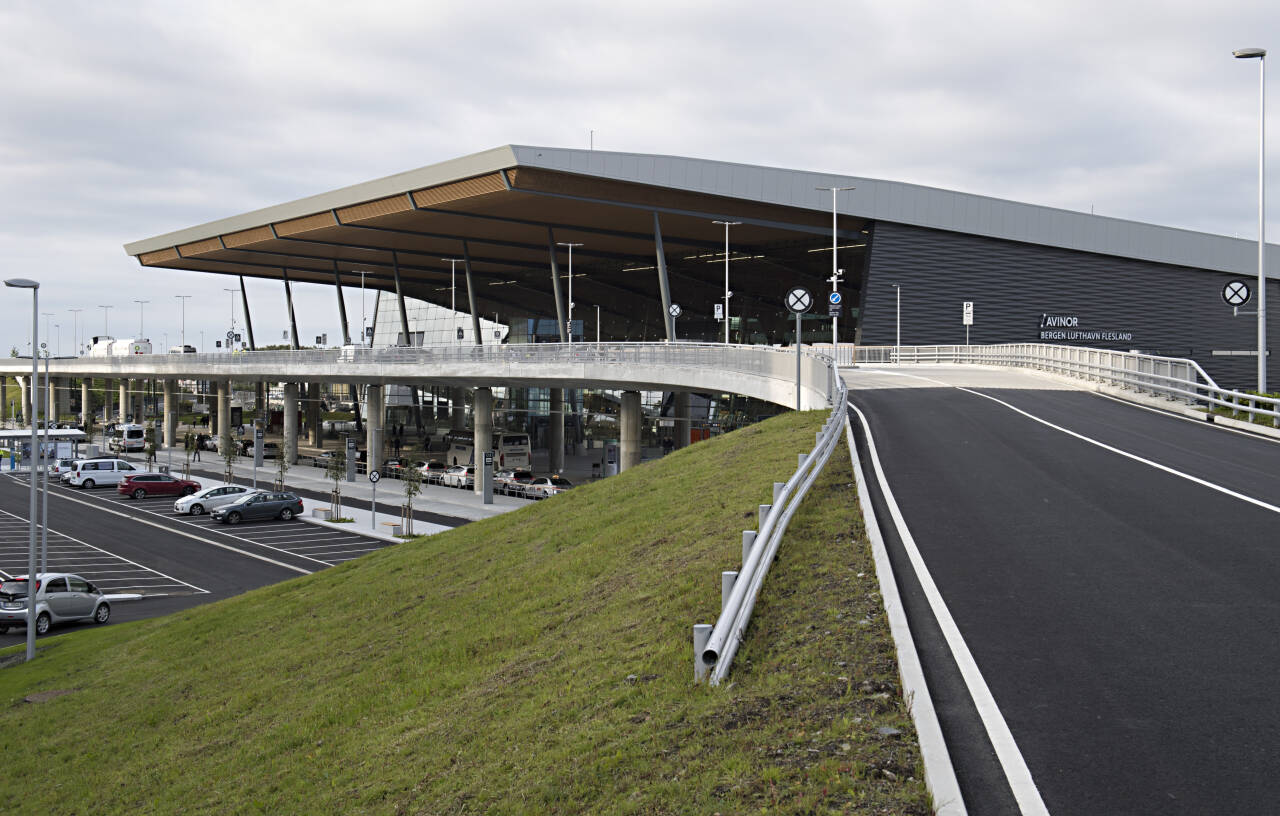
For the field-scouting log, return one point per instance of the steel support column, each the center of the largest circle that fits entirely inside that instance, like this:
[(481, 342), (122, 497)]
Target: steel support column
[(457, 410), (248, 321), (681, 407), (629, 431), (555, 287), (342, 307), (404, 313), (471, 294), (288, 297), (663, 286)]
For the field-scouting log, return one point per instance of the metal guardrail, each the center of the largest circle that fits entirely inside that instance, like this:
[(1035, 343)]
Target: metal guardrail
[(1174, 378), (715, 646)]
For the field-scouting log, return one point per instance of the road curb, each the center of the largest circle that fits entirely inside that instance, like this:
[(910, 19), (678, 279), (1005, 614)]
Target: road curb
[(939, 773)]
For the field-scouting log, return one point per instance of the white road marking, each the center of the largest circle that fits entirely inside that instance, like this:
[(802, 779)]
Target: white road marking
[(1007, 752)]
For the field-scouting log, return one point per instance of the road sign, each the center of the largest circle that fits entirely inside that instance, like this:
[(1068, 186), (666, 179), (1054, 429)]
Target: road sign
[(231, 336), (834, 310), (968, 313), (719, 311), (674, 311), (1236, 293), (799, 300), (374, 476), (834, 298)]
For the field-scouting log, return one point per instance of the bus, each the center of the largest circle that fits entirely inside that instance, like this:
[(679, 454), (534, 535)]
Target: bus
[(510, 450)]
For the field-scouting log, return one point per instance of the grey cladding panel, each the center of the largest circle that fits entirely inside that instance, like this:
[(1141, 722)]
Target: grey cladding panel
[(1168, 309)]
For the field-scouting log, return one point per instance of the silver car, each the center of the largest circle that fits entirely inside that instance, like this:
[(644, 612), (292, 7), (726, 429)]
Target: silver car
[(211, 498), (60, 597)]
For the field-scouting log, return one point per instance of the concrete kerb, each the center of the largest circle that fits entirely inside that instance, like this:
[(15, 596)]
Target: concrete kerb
[(940, 775)]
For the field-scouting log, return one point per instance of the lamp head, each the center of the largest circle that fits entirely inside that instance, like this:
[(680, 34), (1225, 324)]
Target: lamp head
[(22, 283), (1249, 53)]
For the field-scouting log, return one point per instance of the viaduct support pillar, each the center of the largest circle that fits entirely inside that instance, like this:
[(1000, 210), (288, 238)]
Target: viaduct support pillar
[(108, 401), (682, 419), (224, 412), (373, 425), (291, 423), (629, 431), (482, 423), (124, 401), (170, 413), (555, 431), (25, 403), (314, 415), (51, 401), (86, 401)]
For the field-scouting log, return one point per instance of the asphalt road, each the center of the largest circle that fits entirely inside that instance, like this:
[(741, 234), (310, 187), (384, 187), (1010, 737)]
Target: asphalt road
[(175, 562), (1123, 615)]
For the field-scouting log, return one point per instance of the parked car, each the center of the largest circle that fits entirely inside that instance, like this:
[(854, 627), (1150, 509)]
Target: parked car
[(211, 498), (89, 473), (58, 467), (260, 506), (511, 481), (60, 597), (141, 485), (432, 471), (459, 476), (546, 486)]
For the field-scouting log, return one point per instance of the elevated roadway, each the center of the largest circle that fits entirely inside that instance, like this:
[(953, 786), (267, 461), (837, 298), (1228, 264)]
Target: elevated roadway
[(1111, 571)]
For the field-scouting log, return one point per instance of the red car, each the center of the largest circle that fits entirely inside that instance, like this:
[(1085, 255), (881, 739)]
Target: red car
[(142, 485)]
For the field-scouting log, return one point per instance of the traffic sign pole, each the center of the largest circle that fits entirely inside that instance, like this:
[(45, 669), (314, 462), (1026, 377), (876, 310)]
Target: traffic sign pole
[(374, 476), (798, 301)]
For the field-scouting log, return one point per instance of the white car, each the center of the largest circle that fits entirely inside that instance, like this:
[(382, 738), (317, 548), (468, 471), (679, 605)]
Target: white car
[(211, 498), (91, 473), (60, 597), (459, 476)]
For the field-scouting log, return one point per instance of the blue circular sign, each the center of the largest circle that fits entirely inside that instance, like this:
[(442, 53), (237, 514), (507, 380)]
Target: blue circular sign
[(834, 298)]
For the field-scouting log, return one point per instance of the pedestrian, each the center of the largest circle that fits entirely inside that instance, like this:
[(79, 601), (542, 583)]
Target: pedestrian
[(195, 457), (667, 445)]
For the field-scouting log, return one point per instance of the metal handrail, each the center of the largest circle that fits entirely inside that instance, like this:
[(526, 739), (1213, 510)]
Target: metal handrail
[(726, 634), (1170, 377)]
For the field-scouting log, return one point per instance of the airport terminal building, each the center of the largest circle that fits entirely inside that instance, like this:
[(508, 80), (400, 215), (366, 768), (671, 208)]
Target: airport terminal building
[(490, 235)]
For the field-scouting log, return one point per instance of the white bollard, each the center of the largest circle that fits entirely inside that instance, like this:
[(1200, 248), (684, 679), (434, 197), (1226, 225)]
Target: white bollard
[(701, 634), (748, 541), (727, 580)]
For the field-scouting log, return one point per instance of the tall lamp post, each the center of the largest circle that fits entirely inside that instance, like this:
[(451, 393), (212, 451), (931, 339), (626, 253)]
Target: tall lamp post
[(571, 245), (1261, 55), (835, 270), (106, 323), (76, 328), (183, 300), (453, 294), (34, 286), (897, 344), (727, 293)]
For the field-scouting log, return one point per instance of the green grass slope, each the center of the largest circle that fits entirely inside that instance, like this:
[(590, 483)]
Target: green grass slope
[(538, 662)]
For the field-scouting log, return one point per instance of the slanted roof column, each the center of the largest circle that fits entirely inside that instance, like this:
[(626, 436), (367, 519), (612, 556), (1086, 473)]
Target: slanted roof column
[(555, 287), (404, 314), (288, 296), (342, 308), (471, 294), (663, 286), (248, 321)]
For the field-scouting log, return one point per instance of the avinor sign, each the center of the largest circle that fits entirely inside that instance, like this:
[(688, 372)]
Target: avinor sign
[(1067, 327)]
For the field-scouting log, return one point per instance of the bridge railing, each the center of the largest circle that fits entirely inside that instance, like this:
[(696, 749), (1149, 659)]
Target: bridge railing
[(1173, 378), (715, 645)]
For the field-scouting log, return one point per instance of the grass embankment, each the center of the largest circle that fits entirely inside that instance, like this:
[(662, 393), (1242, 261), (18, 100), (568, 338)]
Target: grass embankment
[(538, 662)]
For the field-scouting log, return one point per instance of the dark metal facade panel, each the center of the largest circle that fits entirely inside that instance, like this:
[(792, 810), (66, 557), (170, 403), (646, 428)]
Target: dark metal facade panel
[(1171, 310)]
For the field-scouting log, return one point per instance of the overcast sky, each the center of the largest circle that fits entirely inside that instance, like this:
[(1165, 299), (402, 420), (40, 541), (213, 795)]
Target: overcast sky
[(126, 120)]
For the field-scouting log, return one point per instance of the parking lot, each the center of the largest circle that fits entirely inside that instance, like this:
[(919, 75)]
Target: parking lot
[(142, 548)]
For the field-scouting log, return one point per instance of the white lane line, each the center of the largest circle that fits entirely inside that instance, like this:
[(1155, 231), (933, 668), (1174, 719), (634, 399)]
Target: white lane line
[(1226, 491), (121, 558), (184, 533), (1011, 760)]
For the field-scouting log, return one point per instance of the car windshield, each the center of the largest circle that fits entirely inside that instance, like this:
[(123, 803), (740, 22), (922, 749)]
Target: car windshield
[(14, 589), (560, 481)]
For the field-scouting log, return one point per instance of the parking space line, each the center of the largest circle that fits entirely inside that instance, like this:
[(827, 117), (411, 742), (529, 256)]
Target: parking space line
[(117, 558)]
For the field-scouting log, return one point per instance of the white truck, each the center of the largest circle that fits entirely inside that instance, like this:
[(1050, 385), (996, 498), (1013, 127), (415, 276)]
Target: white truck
[(105, 346)]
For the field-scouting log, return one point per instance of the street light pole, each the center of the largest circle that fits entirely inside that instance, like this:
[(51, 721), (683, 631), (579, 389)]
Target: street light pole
[(34, 286), (141, 332), (727, 293), (106, 325), (835, 270), (453, 294), (183, 300), (571, 245), (232, 338), (897, 345), (1261, 55), (76, 328)]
